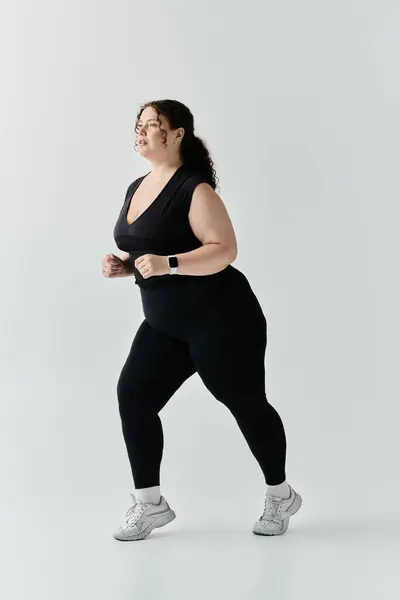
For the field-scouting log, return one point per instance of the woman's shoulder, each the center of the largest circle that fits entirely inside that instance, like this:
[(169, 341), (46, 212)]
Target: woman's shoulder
[(193, 178), (137, 180), (133, 184)]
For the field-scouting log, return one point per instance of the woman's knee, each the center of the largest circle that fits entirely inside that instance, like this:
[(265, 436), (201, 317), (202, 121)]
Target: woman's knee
[(137, 399), (131, 397)]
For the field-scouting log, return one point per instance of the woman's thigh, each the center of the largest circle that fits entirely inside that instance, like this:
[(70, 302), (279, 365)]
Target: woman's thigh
[(228, 351), (156, 366)]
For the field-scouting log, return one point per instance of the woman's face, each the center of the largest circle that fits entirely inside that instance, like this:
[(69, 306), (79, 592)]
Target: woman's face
[(150, 137)]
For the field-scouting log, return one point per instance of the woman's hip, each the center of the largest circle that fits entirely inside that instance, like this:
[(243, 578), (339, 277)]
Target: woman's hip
[(180, 305)]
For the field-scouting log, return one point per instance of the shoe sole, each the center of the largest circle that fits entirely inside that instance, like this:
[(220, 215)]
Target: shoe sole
[(293, 510), (160, 522)]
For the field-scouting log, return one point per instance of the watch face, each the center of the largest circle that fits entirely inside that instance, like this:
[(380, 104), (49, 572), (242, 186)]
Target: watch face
[(173, 261)]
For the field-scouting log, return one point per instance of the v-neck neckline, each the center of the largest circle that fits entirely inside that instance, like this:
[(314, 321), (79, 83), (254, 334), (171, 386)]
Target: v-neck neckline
[(153, 202)]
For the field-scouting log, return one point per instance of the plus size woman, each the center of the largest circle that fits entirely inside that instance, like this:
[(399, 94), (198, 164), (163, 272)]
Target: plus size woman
[(200, 316)]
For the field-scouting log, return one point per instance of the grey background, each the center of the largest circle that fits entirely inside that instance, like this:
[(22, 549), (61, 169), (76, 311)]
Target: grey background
[(299, 104)]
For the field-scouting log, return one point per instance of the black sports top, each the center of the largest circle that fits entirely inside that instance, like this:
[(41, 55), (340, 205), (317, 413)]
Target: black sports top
[(163, 228)]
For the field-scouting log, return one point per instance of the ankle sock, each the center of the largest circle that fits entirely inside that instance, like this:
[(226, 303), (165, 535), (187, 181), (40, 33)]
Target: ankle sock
[(282, 490), (150, 494)]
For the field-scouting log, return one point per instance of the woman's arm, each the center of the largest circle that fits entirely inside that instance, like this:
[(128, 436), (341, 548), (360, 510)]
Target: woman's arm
[(211, 224)]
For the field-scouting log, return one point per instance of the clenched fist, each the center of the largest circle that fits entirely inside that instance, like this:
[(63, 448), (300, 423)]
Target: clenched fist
[(113, 266), (149, 265)]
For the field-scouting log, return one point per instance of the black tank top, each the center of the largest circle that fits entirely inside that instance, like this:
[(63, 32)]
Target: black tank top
[(163, 228)]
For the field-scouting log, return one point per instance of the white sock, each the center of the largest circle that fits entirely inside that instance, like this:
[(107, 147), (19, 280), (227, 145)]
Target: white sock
[(150, 495), (281, 490)]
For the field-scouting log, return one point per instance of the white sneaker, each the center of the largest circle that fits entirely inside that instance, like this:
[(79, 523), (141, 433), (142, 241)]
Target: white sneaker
[(142, 517), (277, 512)]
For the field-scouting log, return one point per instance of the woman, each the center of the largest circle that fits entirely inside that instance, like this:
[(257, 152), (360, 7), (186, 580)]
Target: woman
[(201, 315)]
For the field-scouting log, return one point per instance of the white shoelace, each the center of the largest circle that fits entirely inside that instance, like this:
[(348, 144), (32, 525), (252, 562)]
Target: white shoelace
[(134, 513), (272, 508)]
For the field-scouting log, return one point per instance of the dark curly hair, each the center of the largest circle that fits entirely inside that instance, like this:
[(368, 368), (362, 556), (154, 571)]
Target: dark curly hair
[(194, 152)]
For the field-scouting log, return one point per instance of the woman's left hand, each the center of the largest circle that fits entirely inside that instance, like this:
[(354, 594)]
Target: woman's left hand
[(149, 265)]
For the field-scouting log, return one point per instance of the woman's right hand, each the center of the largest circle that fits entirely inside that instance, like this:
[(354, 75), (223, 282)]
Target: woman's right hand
[(113, 266)]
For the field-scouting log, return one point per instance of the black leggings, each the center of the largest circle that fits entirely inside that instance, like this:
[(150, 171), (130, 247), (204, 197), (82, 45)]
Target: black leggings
[(212, 325)]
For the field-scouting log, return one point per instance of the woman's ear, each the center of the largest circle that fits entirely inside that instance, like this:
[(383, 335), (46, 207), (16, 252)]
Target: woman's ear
[(179, 134)]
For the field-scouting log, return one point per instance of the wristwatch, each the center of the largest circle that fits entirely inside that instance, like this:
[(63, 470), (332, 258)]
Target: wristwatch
[(173, 264)]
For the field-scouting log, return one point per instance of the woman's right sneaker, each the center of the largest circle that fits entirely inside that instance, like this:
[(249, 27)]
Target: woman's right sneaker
[(142, 517)]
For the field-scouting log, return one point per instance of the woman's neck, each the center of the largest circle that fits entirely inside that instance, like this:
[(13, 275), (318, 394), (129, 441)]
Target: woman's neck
[(162, 170)]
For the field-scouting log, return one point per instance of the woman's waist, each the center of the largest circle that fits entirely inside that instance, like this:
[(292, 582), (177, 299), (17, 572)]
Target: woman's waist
[(178, 280), (201, 297)]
